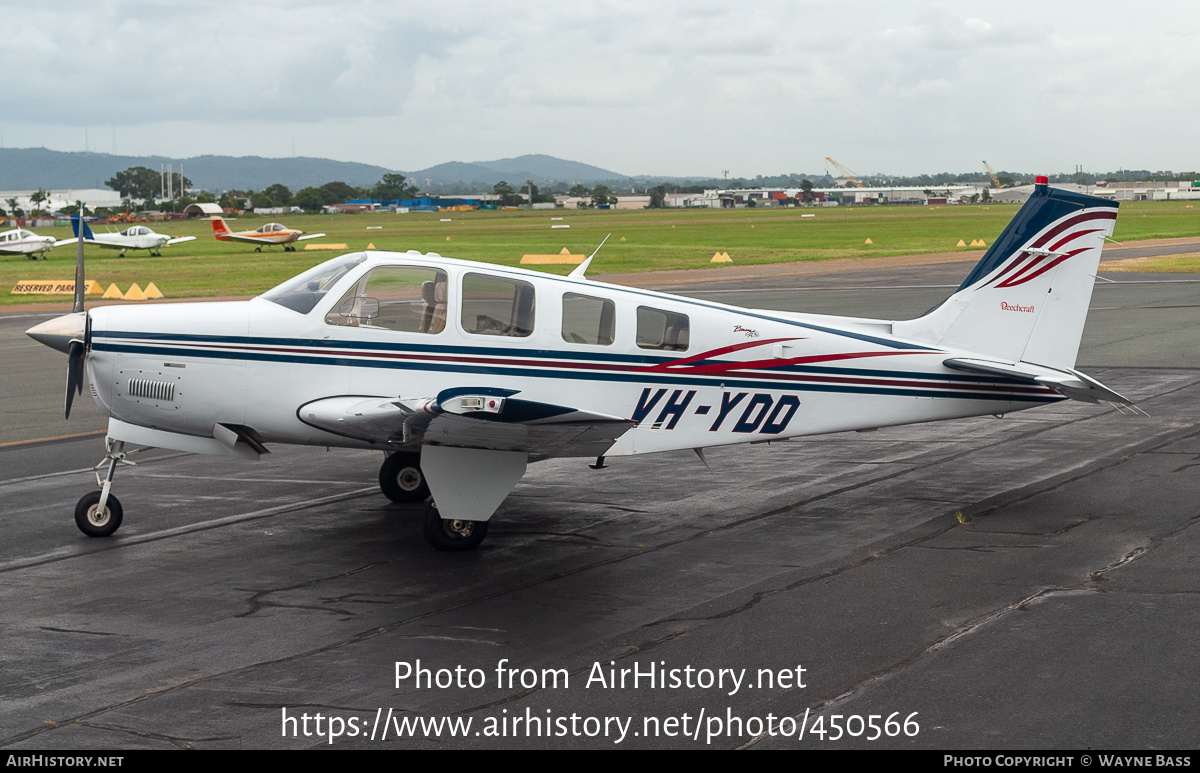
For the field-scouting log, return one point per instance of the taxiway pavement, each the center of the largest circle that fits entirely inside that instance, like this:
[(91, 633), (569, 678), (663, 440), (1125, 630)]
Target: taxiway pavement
[(1024, 582)]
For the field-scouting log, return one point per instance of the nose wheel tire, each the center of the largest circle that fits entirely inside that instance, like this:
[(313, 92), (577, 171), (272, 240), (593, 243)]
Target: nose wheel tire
[(450, 534), (95, 522), (401, 479)]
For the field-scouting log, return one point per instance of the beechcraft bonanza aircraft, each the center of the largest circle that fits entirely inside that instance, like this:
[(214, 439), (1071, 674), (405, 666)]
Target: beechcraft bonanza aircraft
[(263, 236), (135, 237), (22, 241), (464, 372)]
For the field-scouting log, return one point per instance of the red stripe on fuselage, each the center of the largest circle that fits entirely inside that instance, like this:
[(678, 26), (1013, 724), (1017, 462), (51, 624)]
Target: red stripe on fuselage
[(739, 369)]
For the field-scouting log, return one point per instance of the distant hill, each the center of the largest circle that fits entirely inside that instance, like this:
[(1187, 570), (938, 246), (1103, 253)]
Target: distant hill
[(482, 175), (30, 168), (550, 169)]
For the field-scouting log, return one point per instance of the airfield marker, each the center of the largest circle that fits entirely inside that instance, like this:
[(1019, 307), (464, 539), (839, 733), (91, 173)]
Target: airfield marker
[(152, 291), (868, 241), (134, 293), (113, 292), (961, 243)]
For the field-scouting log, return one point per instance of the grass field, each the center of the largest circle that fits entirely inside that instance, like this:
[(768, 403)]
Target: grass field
[(641, 241)]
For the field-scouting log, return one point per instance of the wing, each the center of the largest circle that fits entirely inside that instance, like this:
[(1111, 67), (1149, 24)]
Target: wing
[(484, 418), (65, 242), (181, 239), (309, 236)]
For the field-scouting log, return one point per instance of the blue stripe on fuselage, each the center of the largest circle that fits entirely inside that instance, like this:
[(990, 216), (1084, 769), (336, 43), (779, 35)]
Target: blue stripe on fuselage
[(533, 372)]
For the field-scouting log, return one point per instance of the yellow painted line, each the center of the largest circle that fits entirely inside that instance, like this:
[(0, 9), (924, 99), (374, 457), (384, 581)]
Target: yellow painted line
[(12, 443), (563, 257)]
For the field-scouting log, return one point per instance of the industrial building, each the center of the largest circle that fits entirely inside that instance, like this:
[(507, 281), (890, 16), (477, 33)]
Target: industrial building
[(898, 194)]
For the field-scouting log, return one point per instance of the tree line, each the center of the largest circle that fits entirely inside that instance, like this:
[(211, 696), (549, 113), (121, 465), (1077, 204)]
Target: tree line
[(142, 188)]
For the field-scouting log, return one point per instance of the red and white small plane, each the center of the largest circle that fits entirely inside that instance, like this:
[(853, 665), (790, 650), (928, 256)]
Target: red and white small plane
[(135, 237), (22, 241), (462, 373), (263, 236)]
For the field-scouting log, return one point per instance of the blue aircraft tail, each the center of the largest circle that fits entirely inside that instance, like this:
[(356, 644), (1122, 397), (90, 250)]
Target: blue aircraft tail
[(87, 231)]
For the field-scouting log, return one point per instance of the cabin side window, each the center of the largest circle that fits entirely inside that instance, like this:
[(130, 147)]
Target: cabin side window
[(407, 299), (588, 320), (497, 306), (665, 330)]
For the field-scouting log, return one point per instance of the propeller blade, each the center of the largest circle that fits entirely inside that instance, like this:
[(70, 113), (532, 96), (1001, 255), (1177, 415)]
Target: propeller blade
[(74, 375), (79, 289)]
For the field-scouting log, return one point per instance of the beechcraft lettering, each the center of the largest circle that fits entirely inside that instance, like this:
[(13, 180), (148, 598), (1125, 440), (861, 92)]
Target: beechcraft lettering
[(463, 373)]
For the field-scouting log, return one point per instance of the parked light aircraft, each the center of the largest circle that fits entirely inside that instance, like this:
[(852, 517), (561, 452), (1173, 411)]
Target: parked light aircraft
[(22, 241), (263, 236), (463, 372), (135, 237)]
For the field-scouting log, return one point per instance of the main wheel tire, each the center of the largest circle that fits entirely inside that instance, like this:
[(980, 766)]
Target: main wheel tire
[(93, 522), (452, 534), (401, 479)]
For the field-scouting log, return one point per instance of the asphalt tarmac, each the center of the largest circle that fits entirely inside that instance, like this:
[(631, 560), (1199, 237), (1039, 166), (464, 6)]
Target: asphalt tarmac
[(1028, 582)]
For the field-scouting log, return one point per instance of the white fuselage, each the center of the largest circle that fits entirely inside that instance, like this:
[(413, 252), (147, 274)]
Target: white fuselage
[(142, 239), (741, 375), (20, 241)]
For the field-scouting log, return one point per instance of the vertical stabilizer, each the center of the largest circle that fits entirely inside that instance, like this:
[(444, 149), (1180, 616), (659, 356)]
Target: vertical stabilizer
[(87, 229), (1027, 299)]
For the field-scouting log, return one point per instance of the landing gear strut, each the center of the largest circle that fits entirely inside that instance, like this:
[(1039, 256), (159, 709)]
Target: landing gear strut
[(99, 513)]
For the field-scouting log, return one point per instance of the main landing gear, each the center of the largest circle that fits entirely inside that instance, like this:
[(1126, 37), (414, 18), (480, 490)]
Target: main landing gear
[(452, 534), (402, 481), (99, 513)]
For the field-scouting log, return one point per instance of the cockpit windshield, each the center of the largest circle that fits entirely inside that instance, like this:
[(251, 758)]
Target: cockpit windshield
[(303, 292)]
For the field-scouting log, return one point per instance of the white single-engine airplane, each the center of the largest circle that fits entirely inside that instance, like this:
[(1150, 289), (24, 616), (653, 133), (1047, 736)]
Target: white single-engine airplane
[(263, 236), (22, 241), (463, 372), (135, 237)]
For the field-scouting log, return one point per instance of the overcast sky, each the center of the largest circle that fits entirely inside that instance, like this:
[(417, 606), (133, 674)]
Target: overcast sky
[(666, 88)]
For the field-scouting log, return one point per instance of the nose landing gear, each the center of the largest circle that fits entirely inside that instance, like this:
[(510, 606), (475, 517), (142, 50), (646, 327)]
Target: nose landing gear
[(99, 513)]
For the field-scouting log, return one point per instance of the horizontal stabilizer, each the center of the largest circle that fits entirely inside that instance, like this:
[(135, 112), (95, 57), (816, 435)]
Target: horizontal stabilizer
[(1068, 383)]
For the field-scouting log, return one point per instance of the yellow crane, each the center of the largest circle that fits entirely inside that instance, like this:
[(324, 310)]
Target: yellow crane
[(845, 172), (991, 174)]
